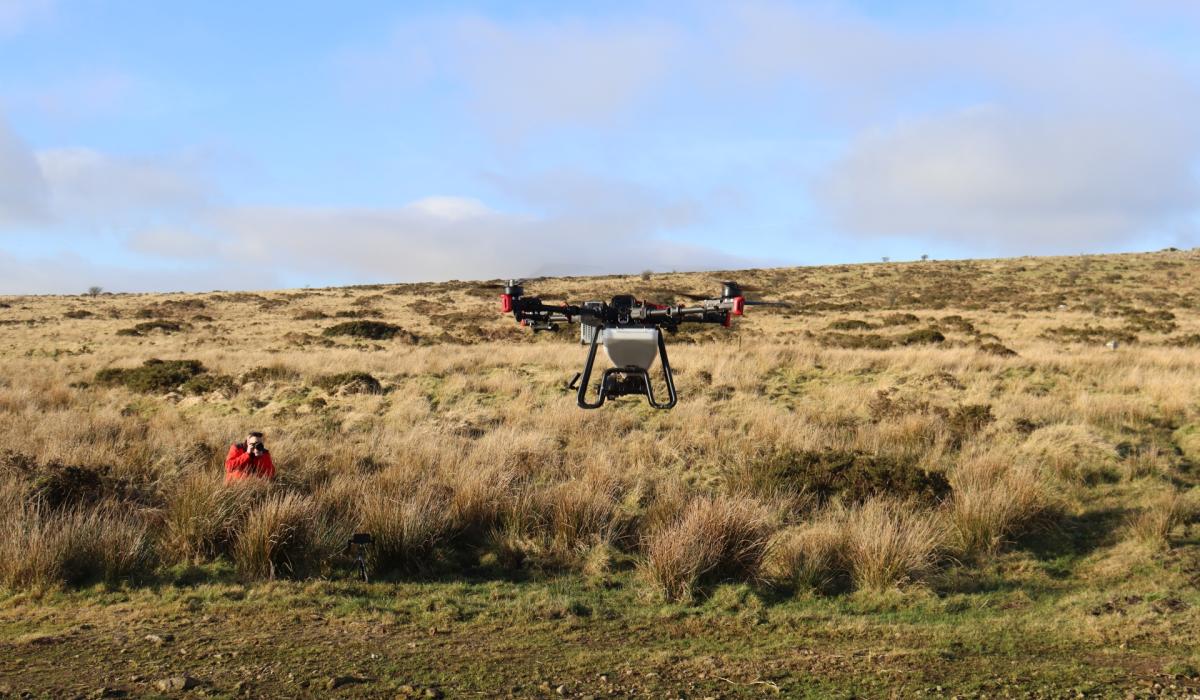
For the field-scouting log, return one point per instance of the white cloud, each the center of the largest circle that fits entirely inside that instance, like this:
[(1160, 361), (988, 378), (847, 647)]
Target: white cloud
[(90, 187), (1015, 182), (1057, 134), (23, 191), (450, 237), (517, 77)]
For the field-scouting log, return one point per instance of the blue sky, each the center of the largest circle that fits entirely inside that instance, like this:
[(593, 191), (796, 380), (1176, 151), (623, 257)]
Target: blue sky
[(195, 146)]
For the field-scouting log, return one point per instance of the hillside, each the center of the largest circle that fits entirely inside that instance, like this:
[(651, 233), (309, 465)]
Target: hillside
[(937, 478)]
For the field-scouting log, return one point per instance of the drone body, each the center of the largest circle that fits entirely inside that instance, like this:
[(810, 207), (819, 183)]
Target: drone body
[(629, 330)]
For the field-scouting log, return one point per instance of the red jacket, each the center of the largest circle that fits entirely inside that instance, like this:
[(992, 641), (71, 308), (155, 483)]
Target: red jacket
[(241, 464)]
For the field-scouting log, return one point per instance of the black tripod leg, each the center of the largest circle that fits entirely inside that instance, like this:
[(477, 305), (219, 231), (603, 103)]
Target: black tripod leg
[(666, 365), (581, 397)]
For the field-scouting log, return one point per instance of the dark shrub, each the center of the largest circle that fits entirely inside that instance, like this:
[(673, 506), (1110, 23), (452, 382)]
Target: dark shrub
[(872, 341), (153, 376), (60, 486), (849, 324), (209, 383), (370, 330), (957, 322), (141, 329), (900, 320), (359, 313), (967, 420), (853, 476), (1184, 341), (1088, 334), (997, 349), (923, 336), (311, 315), (78, 313), (350, 383)]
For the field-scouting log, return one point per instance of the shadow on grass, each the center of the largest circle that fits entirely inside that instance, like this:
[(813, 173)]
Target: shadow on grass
[(1074, 536)]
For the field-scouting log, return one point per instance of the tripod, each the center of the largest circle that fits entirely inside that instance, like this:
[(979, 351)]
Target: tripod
[(358, 547)]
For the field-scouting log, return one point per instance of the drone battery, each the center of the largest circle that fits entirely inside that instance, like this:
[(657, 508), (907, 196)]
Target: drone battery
[(630, 347), (586, 330)]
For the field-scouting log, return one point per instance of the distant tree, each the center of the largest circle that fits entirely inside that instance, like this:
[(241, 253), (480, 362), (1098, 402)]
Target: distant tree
[(94, 291), (924, 256), (886, 259), (646, 275)]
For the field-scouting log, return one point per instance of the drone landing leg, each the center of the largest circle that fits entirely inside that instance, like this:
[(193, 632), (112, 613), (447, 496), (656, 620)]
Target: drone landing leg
[(581, 397), (666, 365)]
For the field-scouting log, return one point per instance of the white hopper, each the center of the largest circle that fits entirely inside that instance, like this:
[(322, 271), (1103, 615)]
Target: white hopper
[(630, 347)]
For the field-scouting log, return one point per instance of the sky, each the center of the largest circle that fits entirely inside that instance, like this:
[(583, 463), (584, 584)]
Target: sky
[(188, 146)]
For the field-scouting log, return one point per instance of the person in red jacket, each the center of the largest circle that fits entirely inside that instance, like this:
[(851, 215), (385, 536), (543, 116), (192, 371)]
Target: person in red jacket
[(249, 458)]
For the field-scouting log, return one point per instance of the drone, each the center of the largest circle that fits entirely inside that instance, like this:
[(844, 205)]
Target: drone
[(631, 332)]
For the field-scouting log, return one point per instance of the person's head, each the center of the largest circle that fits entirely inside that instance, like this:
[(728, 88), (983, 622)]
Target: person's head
[(253, 439)]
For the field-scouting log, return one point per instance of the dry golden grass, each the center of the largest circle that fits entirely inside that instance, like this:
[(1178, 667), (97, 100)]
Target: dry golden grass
[(714, 538), (472, 447)]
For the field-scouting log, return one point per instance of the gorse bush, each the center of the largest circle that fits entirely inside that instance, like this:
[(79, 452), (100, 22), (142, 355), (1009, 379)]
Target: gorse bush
[(349, 383), (154, 376), (369, 330), (923, 336), (151, 326), (852, 476)]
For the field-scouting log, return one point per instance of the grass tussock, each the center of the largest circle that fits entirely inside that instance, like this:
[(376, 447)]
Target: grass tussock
[(889, 542), (41, 547), (811, 557), (284, 535), (995, 499), (1153, 524), (715, 538)]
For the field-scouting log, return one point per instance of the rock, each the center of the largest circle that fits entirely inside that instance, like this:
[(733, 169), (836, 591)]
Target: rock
[(341, 681), (158, 639), (561, 690), (175, 684), (433, 693)]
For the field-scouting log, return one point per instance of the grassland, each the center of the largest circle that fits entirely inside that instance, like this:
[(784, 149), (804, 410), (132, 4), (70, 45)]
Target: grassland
[(928, 478)]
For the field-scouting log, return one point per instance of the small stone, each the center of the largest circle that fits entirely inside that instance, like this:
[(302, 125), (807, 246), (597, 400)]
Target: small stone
[(561, 690), (175, 684), (158, 639), (433, 693), (340, 681)]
